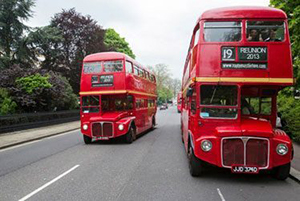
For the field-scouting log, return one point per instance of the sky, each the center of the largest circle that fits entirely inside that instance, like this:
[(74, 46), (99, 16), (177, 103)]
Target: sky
[(158, 31)]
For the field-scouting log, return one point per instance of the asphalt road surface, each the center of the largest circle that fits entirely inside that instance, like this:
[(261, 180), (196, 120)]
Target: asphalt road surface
[(154, 167)]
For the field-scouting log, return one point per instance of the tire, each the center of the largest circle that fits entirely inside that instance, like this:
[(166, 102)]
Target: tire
[(130, 136), (87, 139), (153, 123), (195, 164), (282, 172), (181, 133)]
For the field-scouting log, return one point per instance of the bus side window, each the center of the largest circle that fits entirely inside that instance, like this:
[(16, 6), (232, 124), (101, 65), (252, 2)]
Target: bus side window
[(137, 103), (128, 66), (141, 73), (136, 70), (193, 104), (129, 102), (142, 104)]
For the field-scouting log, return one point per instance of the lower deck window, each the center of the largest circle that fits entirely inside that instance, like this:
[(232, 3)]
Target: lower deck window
[(221, 99), (90, 104), (116, 103)]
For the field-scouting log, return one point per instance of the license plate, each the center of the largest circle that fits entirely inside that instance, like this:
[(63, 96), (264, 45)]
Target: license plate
[(245, 169), (102, 138)]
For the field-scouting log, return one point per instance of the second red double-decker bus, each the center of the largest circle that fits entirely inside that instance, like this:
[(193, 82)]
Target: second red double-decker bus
[(118, 97), (238, 60)]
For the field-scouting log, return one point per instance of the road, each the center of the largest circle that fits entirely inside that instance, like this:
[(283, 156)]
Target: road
[(154, 167)]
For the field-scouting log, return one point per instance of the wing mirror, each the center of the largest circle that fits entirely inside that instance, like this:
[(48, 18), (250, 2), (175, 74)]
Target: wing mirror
[(189, 92)]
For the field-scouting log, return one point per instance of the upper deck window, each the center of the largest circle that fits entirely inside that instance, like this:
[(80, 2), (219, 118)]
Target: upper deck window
[(128, 66), (222, 31), (112, 66), (92, 67), (268, 31)]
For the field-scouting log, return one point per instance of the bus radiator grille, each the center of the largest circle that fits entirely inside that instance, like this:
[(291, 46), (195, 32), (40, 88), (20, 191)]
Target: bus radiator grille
[(96, 129), (107, 129), (245, 151)]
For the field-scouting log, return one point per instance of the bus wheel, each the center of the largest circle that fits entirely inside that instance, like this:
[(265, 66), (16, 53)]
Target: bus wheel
[(153, 123), (181, 130), (130, 136), (282, 172), (87, 139), (195, 165)]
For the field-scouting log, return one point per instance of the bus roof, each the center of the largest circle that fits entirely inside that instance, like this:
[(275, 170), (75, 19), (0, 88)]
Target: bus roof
[(243, 12), (112, 55), (106, 56)]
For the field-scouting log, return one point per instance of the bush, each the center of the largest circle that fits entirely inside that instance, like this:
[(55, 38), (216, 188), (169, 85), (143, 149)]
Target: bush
[(35, 90), (290, 110), (33, 82), (7, 105)]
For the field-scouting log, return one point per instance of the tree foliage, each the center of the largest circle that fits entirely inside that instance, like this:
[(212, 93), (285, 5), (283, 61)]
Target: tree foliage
[(46, 44), (114, 42), (13, 48), (37, 89), (167, 87), (7, 105), (81, 36)]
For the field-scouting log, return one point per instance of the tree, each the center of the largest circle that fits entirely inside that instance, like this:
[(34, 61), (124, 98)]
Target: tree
[(167, 87), (114, 42), (176, 86), (46, 44), (13, 47), (81, 36)]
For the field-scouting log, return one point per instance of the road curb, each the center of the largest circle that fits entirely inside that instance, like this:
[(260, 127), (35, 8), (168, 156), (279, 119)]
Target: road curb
[(295, 175), (36, 138)]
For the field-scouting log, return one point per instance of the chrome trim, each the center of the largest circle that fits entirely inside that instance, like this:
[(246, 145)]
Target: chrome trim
[(102, 122), (243, 139)]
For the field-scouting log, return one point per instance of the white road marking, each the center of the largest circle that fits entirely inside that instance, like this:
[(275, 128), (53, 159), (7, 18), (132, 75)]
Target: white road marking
[(49, 183), (34, 141), (220, 194), (19, 145)]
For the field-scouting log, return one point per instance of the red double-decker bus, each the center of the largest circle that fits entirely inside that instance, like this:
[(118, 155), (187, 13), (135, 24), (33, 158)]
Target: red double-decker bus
[(118, 97), (179, 99), (238, 60)]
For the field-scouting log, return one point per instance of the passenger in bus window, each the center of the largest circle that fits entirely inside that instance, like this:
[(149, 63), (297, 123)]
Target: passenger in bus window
[(272, 36), (246, 107), (254, 35)]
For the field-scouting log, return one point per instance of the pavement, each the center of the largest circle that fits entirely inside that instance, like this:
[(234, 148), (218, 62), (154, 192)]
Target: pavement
[(20, 137), (28, 135)]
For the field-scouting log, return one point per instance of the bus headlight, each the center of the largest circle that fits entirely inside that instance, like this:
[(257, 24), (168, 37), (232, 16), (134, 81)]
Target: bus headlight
[(85, 127), (282, 149), (121, 127), (206, 145)]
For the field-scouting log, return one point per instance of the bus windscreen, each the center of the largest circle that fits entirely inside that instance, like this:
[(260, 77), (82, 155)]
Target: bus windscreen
[(222, 31)]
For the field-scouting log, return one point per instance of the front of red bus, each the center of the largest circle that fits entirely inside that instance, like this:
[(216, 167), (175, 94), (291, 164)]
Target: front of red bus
[(106, 107), (244, 61)]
